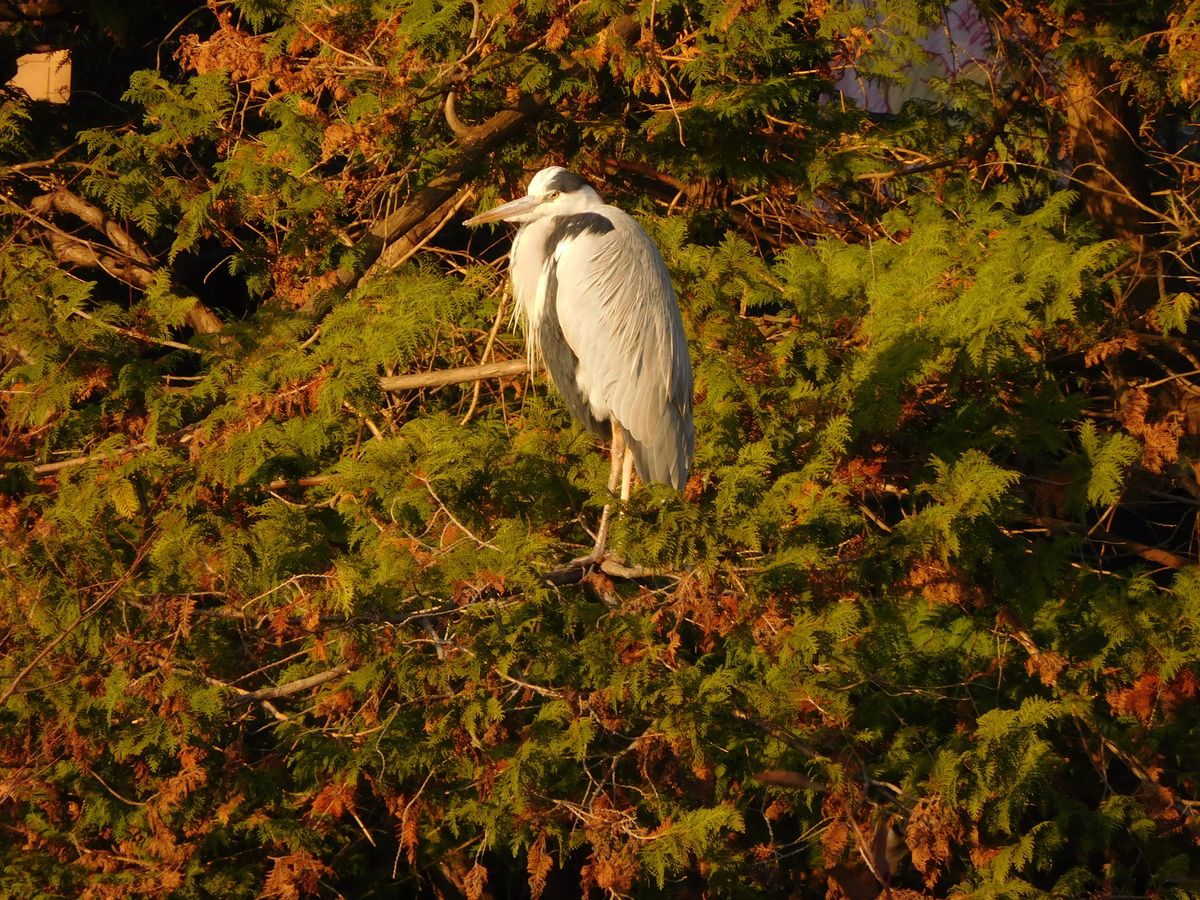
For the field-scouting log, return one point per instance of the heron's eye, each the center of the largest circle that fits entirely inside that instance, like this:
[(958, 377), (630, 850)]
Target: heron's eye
[(553, 195)]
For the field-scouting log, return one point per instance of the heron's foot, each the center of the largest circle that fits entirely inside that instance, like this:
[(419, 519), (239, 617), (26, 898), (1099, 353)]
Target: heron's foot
[(586, 562), (611, 564), (574, 570), (598, 557)]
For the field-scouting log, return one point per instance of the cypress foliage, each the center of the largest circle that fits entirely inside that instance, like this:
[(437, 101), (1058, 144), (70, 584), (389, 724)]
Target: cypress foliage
[(926, 617)]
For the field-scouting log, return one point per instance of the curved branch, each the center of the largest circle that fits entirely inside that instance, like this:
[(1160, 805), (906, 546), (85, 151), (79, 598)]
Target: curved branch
[(476, 143), (133, 265), (457, 125), (64, 201)]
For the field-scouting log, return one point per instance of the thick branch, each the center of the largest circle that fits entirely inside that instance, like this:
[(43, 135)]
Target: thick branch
[(443, 377), (1110, 166), (292, 687), (476, 143), (78, 252), (415, 238), (457, 125), (64, 201), (1145, 551)]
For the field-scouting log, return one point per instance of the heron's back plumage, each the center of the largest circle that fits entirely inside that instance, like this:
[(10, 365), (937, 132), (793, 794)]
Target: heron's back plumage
[(600, 310)]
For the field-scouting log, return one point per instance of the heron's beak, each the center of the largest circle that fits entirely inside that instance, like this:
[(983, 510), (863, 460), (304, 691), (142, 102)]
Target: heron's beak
[(509, 210)]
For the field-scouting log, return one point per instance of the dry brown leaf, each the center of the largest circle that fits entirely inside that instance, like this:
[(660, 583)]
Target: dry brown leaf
[(932, 831), (539, 866), (475, 884)]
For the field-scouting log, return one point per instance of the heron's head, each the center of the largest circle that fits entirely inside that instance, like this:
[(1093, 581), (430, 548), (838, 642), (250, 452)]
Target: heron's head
[(552, 192)]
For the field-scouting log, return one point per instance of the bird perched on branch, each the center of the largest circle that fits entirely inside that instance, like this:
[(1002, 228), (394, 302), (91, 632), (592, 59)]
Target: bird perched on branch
[(597, 306)]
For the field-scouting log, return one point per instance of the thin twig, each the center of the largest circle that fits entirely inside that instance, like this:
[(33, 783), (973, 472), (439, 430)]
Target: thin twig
[(487, 350), (137, 335), (442, 506), (79, 620)]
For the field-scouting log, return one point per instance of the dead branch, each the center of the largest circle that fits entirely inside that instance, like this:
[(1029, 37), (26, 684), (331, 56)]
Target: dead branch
[(182, 436), (574, 573), (291, 687), (457, 125), (1153, 554), (79, 252), (399, 251), (442, 377), (51, 468), (64, 201), (135, 334), (309, 481), (476, 143)]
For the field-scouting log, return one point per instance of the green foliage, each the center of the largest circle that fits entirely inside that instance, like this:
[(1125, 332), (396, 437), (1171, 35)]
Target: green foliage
[(274, 628), (1109, 458), (14, 125)]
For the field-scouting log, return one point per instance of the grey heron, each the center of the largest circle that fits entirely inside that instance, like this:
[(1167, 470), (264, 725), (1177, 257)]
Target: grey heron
[(598, 308)]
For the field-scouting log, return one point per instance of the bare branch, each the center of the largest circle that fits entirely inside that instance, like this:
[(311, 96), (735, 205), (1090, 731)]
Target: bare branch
[(63, 200), (441, 378), (51, 468), (400, 251), (290, 687), (476, 143), (457, 125), (310, 481), (1145, 551), (79, 252), (182, 436), (133, 333), (133, 265)]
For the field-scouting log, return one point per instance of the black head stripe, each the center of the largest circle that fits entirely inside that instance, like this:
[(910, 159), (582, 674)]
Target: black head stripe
[(566, 182), (574, 225)]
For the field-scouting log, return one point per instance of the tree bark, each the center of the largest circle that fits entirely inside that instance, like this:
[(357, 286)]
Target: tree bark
[(1109, 167)]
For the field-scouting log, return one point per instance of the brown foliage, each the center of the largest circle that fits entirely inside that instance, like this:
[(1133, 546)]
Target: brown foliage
[(933, 830), (190, 776), (294, 876), (539, 866), (940, 582), (475, 883), (406, 810), (1148, 695), (1103, 350), (333, 800), (1160, 438), (836, 838)]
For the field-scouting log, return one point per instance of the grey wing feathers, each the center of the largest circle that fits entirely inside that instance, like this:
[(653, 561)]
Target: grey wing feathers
[(618, 313), (562, 362)]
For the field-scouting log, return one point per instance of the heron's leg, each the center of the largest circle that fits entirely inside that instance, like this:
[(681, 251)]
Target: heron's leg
[(622, 468), (617, 455), (619, 451), (626, 474)]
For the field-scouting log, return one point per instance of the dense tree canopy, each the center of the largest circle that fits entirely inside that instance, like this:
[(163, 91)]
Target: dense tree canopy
[(274, 613)]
